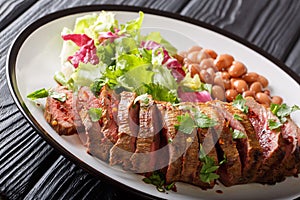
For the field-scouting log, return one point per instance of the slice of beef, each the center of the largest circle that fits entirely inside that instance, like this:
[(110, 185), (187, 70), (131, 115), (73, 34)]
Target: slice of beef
[(148, 140), (191, 165), (162, 155), (59, 114), (288, 166), (230, 172), (109, 102), (128, 121), (271, 141), (249, 149), (97, 144), (190, 157), (176, 144)]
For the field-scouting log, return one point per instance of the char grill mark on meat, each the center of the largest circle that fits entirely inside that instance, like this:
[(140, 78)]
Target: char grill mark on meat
[(270, 140), (176, 144), (59, 114), (128, 114), (97, 144), (148, 140), (231, 171), (249, 149)]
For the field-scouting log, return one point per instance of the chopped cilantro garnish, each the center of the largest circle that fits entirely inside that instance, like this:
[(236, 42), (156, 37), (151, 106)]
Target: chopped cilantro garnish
[(240, 103), (209, 168), (144, 98), (274, 124), (282, 111), (157, 178), (186, 124), (96, 86), (237, 134), (95, 114), (203, 121), (43, 93), (237, 117)]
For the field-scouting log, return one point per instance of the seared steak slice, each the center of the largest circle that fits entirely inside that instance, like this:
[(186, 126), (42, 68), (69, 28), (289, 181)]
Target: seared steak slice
[(128, 122), (109, 102), (270, 140), (162, 154), (288, 166), (230, 171), (249, 149), (191, 165), (59, 114), (97, 145), (148, 140), (176, 144)]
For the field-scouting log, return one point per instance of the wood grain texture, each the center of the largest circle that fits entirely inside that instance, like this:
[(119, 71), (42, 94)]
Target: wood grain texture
[(11, 9), (31, 169)]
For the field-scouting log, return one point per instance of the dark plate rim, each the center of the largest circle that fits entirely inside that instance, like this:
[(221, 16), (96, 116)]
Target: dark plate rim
[(19, 40)]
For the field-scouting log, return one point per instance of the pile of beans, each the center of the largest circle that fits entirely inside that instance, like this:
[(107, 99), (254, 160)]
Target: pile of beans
[(228, 76)]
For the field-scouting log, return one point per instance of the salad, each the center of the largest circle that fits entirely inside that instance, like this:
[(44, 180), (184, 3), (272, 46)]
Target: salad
[(99, 51)]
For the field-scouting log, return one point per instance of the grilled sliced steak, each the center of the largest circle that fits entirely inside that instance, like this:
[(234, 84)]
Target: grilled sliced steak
[(59, 114), (98, 144), (109, 102), (148, 140), (191, 164), (176, 144), (162, 155), (249, 149), (230, 171), (128, 122), (270, 140), (288, 166)]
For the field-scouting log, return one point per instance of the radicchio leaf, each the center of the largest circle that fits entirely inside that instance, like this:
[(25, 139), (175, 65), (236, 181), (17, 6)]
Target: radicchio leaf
[(87, 51)]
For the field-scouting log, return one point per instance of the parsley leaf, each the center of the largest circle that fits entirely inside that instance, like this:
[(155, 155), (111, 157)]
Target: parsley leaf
[(62, 97), (95, 114), (203, 121), (157, 178), (282, 111), (240, 103), (208, 169), (273, 124), (237, 134), (144, 98), (43, 93), (186, 124), (237, 117)]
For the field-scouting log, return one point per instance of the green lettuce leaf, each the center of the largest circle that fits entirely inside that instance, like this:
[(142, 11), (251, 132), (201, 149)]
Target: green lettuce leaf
[(157, 37), (86, 74)]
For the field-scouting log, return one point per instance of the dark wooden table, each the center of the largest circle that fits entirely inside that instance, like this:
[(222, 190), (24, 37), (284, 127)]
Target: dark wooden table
[(31, 169)]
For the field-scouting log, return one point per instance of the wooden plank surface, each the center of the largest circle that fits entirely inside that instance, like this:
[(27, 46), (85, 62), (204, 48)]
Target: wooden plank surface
[(31, 169)]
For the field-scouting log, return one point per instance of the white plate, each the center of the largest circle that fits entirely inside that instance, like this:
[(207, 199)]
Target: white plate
[(34, 57)]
